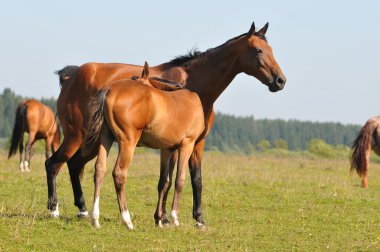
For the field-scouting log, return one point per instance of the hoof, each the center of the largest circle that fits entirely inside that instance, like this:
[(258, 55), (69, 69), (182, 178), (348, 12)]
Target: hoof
[(163, 223), (200, 225), (55, 213), (95, 223), (82, 214), (126, 220)]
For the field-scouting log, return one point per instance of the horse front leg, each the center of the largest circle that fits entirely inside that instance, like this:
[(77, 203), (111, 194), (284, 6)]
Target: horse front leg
[(195, 164), (168, 160)]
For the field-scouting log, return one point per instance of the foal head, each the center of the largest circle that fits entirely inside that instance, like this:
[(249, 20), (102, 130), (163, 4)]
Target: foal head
[(257, 60)]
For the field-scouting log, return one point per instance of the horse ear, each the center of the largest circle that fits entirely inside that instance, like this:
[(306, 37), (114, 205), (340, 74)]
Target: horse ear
[(252, 29), (263, 30), (145, 72)]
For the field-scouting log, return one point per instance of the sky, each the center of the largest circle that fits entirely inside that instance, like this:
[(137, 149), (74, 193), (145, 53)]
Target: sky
[(328, 50)]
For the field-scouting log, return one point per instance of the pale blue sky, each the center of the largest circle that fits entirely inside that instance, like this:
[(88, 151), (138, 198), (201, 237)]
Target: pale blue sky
[(329, 50)]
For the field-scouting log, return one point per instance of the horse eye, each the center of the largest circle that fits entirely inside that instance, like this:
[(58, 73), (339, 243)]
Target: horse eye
[(258, 50)]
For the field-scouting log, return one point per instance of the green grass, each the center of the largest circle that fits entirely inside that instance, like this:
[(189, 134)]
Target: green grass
[(260, 203)]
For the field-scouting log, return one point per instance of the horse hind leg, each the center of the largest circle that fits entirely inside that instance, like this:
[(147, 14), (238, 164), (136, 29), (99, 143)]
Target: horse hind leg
[(184, 153), (48, 142), (120, 172), (21, 150), (100, 171), (168, 159), (53, 166), (29, 150), (76, 165)]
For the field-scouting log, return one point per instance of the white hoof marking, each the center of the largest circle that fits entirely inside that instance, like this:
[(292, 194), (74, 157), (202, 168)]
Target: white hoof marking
[(55, 213), (21, 166), (26, 166), (174, 215), (126, 219), (82, 214)]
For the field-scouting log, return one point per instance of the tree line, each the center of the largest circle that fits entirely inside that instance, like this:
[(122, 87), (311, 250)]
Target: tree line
[(229, 133)]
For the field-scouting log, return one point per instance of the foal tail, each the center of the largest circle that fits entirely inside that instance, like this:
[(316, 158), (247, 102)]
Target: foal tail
[(91, 138), (361, 146), (65, 73), (18, 130)]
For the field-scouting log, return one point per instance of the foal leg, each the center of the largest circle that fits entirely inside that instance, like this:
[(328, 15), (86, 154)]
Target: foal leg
[(100, 171), (168, 159), (195, 163), (120, 172), (48, 142), (184, 153)]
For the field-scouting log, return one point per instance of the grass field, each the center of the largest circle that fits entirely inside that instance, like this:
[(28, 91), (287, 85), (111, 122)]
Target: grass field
[(255, 203)]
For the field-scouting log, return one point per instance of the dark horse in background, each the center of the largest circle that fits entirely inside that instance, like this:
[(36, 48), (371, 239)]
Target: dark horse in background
[(205, 73), (367, 140), (38, 120)]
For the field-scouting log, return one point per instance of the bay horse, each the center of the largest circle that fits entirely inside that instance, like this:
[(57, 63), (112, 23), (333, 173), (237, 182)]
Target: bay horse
[(39, 122), (367, 140), (141, 115), (205, 73)]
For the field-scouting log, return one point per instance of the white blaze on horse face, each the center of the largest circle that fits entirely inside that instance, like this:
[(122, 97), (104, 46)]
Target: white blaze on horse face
[(174, 215), (55, 213), (126, 219)]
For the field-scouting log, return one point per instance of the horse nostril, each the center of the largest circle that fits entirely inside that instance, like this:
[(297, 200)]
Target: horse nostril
[(280, 82)]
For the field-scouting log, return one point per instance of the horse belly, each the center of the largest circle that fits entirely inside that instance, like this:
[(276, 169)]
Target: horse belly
[(158, 141)]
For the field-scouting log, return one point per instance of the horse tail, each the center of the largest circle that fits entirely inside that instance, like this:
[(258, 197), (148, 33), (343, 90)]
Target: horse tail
[(66, 73), (95, 124), (361, 145), (18, 130)]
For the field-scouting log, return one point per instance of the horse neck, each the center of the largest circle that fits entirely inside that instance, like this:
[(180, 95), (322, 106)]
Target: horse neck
[(210, 75)]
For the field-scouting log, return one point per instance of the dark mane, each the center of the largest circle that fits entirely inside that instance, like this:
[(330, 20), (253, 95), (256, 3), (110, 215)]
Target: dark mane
[(196, 54)]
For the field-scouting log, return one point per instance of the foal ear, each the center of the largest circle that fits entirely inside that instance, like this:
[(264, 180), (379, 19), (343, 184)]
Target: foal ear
[(263, 30), (145, 72), (252, 29)]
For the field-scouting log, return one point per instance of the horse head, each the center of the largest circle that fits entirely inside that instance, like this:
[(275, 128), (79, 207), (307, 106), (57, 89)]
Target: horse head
[(257, 60)]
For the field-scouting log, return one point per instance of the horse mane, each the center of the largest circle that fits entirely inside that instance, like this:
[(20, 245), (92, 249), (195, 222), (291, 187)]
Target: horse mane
[(195, 54), (65, 73)]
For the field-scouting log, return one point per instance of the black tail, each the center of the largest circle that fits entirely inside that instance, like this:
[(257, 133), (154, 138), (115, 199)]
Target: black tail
[(91, 139), (18, 130), (360, 146), (65, 73)]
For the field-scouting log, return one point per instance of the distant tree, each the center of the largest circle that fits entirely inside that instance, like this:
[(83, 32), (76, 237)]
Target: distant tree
[(280, 144), (263, 145), (320, 148)]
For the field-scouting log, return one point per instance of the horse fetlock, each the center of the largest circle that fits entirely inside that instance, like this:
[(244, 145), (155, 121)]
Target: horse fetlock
[(126, 219), (54, 212), (82, 214), (26, 166), (95, 220), (21, 166), (174, 216)]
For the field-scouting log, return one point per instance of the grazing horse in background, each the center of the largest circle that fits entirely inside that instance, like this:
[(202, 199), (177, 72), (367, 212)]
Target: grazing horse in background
[(141, 115), (206, 73), (367, 140), (39, 122)]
